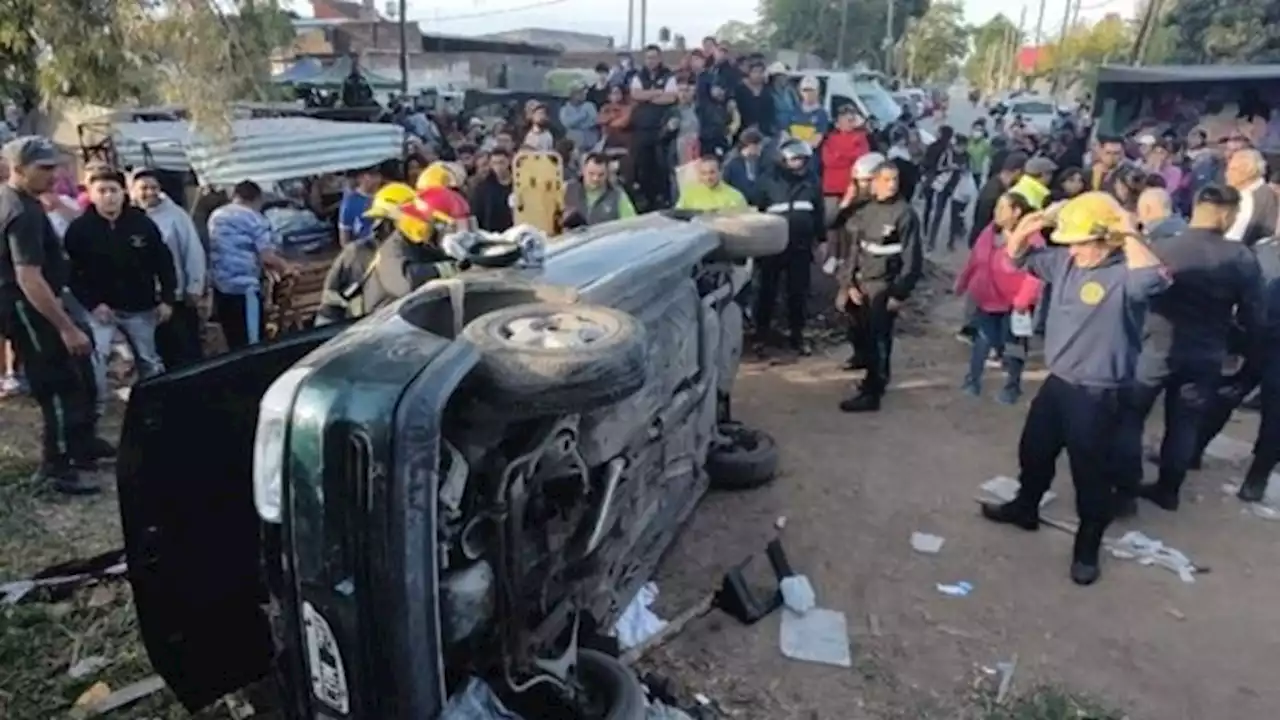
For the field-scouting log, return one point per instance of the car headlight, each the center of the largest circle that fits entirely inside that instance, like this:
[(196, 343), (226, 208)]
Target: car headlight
[(268, 442)]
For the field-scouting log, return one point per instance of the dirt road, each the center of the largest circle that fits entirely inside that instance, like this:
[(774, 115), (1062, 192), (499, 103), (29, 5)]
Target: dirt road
[(854, 488)]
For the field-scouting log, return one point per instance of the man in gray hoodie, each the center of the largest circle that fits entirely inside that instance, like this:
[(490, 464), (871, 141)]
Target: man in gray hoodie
[(178, 340)]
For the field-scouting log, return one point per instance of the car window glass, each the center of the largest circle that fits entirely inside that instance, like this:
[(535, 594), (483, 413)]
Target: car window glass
[(878, 101)]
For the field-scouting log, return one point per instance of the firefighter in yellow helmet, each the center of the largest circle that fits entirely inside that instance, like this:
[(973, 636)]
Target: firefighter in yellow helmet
[(365, 277), (1102, 275), (441, 174)]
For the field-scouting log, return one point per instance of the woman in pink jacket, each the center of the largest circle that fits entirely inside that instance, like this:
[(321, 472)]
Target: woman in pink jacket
[(1004, 296)]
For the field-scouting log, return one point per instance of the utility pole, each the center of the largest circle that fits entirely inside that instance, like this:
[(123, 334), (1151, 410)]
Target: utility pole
[(404, 47), (888, 39), (1068, 19), (1040, 21), (1016, 45), (844, 28), (644, 21), (631, 20), (1150, 17)]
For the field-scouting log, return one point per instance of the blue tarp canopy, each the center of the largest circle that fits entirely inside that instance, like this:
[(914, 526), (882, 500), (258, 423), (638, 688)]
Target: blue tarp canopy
[(310, 71)]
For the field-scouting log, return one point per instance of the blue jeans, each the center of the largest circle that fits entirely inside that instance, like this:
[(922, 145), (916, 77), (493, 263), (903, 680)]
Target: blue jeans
[(139, 330), (992, 332)]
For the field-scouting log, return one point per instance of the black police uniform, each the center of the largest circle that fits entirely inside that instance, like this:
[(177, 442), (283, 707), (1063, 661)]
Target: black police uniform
[(1184, 345), (648, 152), (61, 383), (797, 196), (888, 261), (1261, 369)]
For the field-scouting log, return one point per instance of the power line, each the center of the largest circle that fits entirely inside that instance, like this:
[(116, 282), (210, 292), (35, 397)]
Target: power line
[(495, 12)]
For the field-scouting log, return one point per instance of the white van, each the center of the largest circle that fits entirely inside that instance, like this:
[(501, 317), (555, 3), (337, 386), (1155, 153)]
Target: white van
[(841, 87)]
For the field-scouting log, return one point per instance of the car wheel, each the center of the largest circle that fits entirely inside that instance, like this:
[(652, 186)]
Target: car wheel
[(747, 234), (614, 691), (550, 359), (742, 459)]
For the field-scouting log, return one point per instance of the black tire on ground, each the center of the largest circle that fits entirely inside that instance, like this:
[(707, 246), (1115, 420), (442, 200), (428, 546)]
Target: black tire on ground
[(615, 684), (749, 460), (535, 379)]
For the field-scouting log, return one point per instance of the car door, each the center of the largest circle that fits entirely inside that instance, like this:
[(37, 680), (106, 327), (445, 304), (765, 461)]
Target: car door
[(192, 535)]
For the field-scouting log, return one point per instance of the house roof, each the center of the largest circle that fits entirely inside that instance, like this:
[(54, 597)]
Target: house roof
[(461, 43)]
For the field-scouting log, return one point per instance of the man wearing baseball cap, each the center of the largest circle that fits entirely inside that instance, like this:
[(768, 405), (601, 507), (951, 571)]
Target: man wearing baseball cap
[(34, 272)]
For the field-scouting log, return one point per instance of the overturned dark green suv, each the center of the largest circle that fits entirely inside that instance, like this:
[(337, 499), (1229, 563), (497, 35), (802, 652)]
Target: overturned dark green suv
[(468, 483)]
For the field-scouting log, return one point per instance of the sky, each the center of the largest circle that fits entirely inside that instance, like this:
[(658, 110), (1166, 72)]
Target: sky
[(692, 18)]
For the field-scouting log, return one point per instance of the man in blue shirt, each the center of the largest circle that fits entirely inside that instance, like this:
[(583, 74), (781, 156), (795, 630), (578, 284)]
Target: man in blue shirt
[(1184, 341), (1102, 277), (241, 244), (353, 226)]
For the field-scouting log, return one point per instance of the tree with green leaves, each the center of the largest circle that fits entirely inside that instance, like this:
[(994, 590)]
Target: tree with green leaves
[(187, 52), (815, 26), (933, 44), (995, 44), (1216, 31), (739, 34), (1087, 46)]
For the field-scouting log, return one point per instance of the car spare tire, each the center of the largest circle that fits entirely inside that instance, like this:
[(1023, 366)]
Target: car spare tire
[(613, 690), (747, 234), (742, 458), (556, 358)]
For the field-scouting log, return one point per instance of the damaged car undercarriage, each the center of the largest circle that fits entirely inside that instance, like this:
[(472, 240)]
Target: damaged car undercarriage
[(472, 482)]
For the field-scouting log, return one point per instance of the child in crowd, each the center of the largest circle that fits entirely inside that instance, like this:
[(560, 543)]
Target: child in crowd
[(1004, 296)]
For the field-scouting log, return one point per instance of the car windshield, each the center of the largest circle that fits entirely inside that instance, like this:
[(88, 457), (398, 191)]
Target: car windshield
[(878, 101), (1033, 108)]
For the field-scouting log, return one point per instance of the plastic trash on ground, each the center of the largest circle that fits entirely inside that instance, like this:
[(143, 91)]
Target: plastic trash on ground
[(1004, 488), (476, 701), (1134, 545), (959, 589), (926, 543), (638, 623), (818, 636), (797, 593)]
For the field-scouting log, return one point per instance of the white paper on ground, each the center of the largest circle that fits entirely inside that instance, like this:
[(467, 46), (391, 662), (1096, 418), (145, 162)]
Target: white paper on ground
[(926, 543), (818, 636), (638, 623), (1134, 545), (1004, 488)]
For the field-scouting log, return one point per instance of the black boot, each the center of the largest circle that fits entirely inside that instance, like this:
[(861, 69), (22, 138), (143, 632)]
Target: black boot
[(65, 479), (1019, 512), (862, 402), (1254, 487), (1085, 553), (1163, 493)]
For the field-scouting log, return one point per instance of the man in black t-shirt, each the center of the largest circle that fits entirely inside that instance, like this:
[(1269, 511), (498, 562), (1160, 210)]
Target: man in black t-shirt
[(34, 272)]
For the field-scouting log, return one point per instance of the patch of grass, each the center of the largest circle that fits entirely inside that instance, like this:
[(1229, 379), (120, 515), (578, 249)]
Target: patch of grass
[(1044, 702), (41, 641)]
